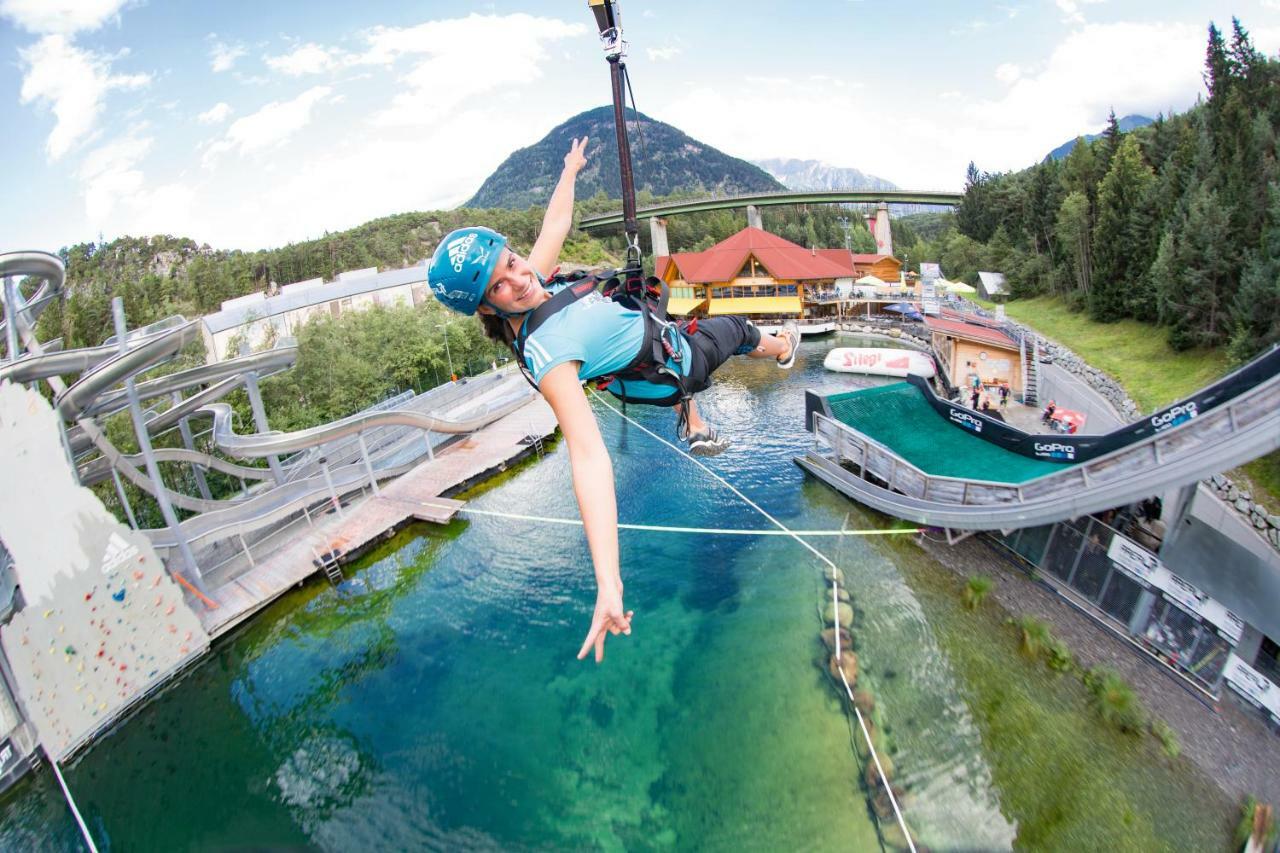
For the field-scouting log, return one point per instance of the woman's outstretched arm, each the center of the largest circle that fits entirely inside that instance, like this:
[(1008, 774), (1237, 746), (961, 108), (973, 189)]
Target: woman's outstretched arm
[(559, 217), (593, 486)]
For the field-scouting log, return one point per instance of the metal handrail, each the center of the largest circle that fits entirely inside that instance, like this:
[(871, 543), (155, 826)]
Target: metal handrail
[(1161, 448)]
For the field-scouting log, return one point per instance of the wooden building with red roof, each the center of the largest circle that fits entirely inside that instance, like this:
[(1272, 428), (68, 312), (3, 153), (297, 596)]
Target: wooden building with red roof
[(761, 276), (966, 348)]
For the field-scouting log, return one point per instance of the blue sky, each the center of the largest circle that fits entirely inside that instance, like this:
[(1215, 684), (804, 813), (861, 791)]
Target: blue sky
[(249, 125)]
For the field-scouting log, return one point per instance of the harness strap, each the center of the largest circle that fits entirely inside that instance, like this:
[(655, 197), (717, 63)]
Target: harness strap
[(661, 335)]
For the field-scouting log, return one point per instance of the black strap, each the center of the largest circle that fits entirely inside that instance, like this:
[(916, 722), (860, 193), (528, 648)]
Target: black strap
[(648, 296)]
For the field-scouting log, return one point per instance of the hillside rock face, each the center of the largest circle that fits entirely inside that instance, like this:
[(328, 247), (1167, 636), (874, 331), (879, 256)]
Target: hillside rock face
[(665, 160)]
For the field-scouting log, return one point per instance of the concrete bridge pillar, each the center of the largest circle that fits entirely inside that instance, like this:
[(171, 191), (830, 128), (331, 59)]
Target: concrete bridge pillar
[(753, 217), (658, 237), (882, 232)]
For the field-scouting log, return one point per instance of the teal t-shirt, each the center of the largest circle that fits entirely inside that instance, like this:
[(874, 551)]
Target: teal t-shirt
[(602, 334)]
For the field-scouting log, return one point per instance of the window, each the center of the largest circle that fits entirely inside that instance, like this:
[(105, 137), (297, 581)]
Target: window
[(1062, 556), (1173, 630), (1268, 660), (1091, 572), (1031, 542), (1120, 597)]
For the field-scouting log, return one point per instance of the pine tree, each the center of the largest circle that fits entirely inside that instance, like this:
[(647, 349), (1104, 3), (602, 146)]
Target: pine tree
[(1196, 303), (1075, 235), (975, 217), (1122, 249), (1255, 309), (1110, 142)]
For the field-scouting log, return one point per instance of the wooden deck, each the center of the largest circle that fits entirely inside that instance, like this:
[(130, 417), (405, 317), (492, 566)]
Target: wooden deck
[(416, 495)]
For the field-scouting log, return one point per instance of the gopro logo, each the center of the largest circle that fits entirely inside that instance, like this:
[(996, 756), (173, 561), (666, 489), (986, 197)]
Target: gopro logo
[(966, 420), (1055, 450)]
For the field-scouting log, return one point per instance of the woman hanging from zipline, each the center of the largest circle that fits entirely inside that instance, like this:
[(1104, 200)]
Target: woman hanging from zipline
[(564, 330)]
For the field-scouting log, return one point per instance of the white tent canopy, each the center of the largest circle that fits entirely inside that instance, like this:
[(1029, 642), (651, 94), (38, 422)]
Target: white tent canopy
[(956, 286), (871, 280)]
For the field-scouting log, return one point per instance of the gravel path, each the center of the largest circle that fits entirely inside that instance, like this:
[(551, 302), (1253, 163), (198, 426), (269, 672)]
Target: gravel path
[(1232, 746)]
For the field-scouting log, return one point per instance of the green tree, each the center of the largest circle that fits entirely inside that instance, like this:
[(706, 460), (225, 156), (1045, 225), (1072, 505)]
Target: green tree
[(1074, 235), (1122, 239), (1255, 309)]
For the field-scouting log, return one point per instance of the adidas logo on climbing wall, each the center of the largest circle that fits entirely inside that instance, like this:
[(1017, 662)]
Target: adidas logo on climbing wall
[(458, 251), (118, 552)]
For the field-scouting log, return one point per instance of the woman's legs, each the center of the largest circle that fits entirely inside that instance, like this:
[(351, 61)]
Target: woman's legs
[(771, 346)]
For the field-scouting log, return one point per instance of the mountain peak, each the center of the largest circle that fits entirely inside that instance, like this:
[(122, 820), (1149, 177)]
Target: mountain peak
[(665, 160), (1126, 124), (816, 175)]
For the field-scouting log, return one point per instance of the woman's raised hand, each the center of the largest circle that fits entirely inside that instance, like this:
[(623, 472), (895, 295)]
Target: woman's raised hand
[(609, 618), (577, 156)]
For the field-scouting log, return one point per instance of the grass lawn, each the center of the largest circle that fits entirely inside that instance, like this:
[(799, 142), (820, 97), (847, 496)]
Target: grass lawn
[(1138, 356)]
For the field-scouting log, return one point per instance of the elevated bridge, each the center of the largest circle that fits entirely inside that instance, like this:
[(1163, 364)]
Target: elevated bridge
[(756, 200)]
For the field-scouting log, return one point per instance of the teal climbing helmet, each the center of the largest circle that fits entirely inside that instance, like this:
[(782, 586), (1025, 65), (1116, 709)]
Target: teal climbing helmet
[(460, 269)]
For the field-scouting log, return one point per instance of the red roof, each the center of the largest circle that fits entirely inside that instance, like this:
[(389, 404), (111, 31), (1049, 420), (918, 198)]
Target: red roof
[(971, 331), (873, 259), (781, 258)]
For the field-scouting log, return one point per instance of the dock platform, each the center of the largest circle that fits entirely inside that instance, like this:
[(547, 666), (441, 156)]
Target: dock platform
[(415, 496)]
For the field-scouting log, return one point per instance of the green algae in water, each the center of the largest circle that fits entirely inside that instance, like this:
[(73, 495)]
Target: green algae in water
[(1070, 781)]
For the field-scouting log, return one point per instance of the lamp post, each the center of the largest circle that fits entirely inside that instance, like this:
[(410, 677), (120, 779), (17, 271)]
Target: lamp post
[(445, 328)]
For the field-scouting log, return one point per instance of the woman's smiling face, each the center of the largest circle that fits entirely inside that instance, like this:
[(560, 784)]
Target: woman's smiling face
[(514, 287)]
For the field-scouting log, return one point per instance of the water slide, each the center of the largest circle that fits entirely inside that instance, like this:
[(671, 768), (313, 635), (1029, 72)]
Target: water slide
[(102, 369), (903, 452)]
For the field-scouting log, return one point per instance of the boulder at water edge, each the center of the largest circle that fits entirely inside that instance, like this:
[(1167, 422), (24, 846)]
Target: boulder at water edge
[(829, 639), (847, 663), (844, 616)]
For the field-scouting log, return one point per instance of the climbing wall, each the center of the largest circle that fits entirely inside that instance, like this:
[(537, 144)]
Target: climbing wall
[(103, 623)]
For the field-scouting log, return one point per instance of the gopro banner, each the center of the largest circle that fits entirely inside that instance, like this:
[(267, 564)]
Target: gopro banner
[(1069, 449)]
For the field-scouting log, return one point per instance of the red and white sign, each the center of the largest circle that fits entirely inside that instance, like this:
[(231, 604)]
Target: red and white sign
[(879, 361)]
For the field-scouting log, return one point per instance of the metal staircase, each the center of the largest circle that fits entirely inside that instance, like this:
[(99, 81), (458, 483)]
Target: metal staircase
[(1029, 358)]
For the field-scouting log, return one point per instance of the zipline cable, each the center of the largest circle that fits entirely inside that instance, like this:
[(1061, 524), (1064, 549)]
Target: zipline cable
[(893, 800), (66, 792), (662, 528)]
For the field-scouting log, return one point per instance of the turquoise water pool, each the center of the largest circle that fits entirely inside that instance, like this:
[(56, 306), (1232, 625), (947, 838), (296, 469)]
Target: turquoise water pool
[(434, 701)]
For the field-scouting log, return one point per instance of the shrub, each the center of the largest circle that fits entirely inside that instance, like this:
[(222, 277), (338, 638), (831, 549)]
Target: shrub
[(1035, 636), (1058, 656), (1256, 820), (1167, 736), (975, 590), (1115, 700)]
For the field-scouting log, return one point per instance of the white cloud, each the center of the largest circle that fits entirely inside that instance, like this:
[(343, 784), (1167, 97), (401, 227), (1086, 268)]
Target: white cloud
[(216, 114), (459, 62), (1135, 68), (110, 171), (60, 16), (307, 59), (1071, 9), (73, 83), (269, 127), (222, 57), (118, 198), (1008, 72), (662, 54)]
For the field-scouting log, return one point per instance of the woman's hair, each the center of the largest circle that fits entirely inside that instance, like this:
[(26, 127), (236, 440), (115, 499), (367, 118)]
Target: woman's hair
[(498, 329)]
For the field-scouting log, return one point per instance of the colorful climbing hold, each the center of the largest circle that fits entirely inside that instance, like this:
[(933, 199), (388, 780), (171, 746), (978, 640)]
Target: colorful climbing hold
[(118, 596)]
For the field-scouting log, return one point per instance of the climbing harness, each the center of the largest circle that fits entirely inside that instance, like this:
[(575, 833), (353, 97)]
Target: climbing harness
[(661, 355)]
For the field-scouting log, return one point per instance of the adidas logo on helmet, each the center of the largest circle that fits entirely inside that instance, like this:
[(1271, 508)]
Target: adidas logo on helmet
[(458, 250)]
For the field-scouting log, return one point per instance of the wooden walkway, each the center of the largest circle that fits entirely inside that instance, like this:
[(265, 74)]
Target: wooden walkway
[(413, 496)]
